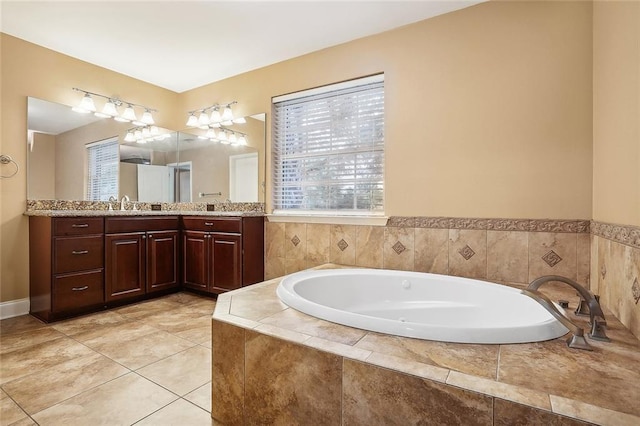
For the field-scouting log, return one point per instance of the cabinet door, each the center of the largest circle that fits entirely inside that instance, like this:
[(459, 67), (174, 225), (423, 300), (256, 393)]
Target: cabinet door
[(227, 261), (195, 259), (125, 266), (162, 260)]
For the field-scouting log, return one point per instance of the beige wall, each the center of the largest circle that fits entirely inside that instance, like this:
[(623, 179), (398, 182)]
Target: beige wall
[(42, 169), (30, 70), (488, 112), (488, 109), (616, 112)]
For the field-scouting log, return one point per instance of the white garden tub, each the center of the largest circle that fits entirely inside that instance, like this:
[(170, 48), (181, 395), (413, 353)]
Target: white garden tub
[(419, 305)]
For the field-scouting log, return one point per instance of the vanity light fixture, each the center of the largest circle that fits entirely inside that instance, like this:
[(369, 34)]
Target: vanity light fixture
[(211, 116), (145, 134), (110, 109)]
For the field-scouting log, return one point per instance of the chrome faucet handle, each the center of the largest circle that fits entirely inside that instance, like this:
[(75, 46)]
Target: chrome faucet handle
[(112, 199)]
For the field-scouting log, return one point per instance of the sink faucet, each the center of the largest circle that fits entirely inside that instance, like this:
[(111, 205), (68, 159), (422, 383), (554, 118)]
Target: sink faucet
[(122, 201), (112, 199), (596, 316)]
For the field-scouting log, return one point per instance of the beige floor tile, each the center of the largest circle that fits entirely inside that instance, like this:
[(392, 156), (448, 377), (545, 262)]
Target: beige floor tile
[(15, 341), (10, 412), (122, 401), (185, 298), (123, 332), (63, 381), (40, 357), (183, 372), (178, 320), (201, 397), (200, 335), (20, 324), (141, 350), (95, 323), (141, 310), (177, 413)]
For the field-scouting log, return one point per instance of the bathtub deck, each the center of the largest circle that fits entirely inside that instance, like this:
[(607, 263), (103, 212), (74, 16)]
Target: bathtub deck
[(601, 387)]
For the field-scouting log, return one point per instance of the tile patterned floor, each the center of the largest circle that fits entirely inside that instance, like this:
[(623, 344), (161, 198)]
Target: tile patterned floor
[(142, 364)]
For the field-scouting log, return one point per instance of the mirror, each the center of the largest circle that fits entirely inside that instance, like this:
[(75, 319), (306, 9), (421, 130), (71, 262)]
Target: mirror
[(181, 167)]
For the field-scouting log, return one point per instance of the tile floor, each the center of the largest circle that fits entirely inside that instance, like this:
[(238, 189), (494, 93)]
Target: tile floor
[(143, 364)]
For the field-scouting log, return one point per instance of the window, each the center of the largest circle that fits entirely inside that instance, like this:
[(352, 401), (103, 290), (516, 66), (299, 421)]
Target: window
[(328, 149), (102, 168)]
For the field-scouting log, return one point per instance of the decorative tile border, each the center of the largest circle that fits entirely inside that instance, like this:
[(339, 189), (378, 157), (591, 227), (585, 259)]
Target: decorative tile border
[(531, 225), (103, 205), (623, 234)]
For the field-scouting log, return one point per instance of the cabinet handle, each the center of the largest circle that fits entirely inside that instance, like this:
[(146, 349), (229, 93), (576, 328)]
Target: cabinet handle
[(209, 223), (80, 225), (80, 252), (83, 288)]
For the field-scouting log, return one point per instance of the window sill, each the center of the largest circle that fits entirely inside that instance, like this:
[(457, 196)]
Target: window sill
[(329, 219)]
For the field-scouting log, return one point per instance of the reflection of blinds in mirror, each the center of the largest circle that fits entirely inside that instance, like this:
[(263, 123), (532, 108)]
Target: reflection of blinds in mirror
[(102, 168)]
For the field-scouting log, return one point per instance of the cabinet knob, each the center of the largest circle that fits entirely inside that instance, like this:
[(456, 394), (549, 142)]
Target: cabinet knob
[(144, 237)]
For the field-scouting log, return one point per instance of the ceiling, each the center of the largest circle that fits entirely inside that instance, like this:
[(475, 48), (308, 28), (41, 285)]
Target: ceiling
[(181, 45)]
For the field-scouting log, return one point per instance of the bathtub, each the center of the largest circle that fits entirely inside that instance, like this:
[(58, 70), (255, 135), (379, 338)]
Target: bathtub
[(420, 305)]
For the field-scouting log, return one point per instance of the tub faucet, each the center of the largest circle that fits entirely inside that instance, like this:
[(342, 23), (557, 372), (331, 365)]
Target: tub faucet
[(122, 201), (597, 320)]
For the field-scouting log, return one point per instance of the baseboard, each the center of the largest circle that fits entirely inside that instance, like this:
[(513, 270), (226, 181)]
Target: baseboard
[(14, 308)]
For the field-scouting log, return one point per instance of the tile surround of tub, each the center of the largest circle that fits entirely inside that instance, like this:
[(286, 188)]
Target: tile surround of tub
[(615, 268), (503, 250)]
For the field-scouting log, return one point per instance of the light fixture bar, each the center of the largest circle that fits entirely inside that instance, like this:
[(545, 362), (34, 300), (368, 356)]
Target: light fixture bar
[(115, 100)]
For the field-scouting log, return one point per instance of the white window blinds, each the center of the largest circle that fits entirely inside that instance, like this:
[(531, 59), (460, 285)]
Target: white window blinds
[(328, 149), (102, 167)]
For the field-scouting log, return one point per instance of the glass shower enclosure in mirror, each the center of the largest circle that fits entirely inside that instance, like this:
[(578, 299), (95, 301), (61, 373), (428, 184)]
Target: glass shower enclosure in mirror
[(232, 169)]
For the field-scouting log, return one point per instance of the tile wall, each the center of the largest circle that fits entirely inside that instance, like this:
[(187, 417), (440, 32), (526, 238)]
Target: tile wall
[(514, 251), (615, 268)]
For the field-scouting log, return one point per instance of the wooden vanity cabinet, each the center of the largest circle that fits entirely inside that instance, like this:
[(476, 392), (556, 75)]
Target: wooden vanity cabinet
[(222, 253), (141, 256), (66, 265)]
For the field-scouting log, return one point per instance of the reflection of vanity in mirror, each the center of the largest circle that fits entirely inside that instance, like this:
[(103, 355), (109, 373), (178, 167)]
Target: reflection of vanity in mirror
[(167, 166)]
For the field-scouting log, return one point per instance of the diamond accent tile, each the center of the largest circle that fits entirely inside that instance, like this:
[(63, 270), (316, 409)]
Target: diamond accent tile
[(342, 245), (635, 289), (466, 252), (295, 240), (398, 247), (552, 258)]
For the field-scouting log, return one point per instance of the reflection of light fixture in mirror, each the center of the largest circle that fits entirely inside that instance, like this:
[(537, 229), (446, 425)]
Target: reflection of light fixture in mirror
[(110, 108), (138, 134), (211, 134), (86, 105), (215, 115), (227, 115), (192, 121), (233, 138), (130, 137), (154, 130), (242, 140), (146, 132), (239, 120), (222, 136)]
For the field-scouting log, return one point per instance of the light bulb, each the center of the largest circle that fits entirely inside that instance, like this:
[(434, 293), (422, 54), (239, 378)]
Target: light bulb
[(239, 120), (227, 114), (204, 119), (129, 113), (110, 109), (147, 118), (192, 121), (86, 105), (215, 116), (130, 137)]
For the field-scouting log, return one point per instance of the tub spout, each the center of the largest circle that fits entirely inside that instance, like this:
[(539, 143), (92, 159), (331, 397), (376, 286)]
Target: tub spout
[(597, 320), (577, 340)]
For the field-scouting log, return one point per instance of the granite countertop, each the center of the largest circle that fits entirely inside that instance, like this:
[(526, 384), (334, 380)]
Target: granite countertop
[(602, 386), (114, 213)]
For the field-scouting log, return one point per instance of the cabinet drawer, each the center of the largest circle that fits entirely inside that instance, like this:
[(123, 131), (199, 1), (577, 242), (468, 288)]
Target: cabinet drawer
[(117, 225), (227, 224), (63, 226), (74, 291), (78, 254)]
